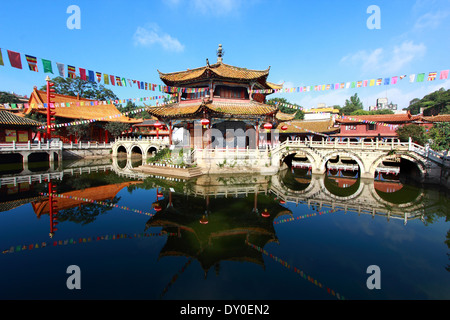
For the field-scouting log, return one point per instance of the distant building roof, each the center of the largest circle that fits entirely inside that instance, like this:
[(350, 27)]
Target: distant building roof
[(388, 118), (320, 126), (437, 118), (319, 110), (11, 119)]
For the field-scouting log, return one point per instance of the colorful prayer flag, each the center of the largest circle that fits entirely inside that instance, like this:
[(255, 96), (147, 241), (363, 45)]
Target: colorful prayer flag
[(82, 74), (71, 71), (432, 76), (118, 81), (387, 81), (394, 80), (14, 59), (412, 77), (106, 78), (444, 74), (372, 82), (365, 82), (111, 77), (1, 59), (47, 64), (379, 81), (61, 69), (420, 77), (91, 76), (32, 63), (99, 76)]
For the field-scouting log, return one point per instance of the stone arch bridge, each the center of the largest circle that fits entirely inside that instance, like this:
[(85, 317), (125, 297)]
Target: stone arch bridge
[(132, 146), (368, 155)]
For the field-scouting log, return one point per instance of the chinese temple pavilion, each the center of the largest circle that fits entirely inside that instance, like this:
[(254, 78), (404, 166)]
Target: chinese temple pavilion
[(218, 96)]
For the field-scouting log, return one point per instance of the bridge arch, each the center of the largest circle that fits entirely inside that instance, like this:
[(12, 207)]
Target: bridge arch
[(417, 160), (330, 155), (289, 155), (151, 150), (135, 148)]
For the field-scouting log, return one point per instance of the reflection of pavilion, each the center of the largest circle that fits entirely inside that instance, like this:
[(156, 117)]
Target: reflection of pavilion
[(213, 229)]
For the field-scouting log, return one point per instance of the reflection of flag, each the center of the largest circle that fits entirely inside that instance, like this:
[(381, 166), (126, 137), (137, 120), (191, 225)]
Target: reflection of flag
[(47, 66), (99, 76), (379, 81), (444, 74), (71, 71), (32, 63), (432, 76), (14, 59), (420, 77), (60, 67)]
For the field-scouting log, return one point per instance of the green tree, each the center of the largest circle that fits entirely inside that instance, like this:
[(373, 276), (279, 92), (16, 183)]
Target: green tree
[(416, 132), (80, 131), (85, 89), (130, 106), (280, 104), (116, 128), (361, 112), (6, 97), (440, 139), (351, 105)]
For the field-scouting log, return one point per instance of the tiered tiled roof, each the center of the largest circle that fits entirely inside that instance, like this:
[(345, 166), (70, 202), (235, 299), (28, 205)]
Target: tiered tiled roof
[(10, 119), (225, 109), (74, 111), (281, 116), (219, 69)]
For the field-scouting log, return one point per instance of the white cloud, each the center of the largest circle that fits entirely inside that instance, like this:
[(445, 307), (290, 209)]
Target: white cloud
[(152, 35), (380, 59), (430, 20)]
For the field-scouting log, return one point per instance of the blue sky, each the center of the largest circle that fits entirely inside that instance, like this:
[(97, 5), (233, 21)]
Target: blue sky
[(303, 42)]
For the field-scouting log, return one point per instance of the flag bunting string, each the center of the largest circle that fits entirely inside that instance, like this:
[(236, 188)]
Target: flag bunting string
[(296, 270)]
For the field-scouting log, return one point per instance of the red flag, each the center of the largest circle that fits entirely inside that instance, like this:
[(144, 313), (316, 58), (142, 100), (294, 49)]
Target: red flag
[(14, 59), (83, 74), (111, 77)]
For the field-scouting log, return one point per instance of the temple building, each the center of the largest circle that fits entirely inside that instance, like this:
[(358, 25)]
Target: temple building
[(77, 108), (219, 96)]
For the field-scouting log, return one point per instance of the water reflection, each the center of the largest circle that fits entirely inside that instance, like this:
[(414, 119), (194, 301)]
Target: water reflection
[(211, 220)]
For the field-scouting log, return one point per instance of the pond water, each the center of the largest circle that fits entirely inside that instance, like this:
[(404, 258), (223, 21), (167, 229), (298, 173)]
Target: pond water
[(291, 236)]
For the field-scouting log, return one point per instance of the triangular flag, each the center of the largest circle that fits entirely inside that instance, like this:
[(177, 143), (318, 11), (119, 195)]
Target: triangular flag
[(14, 59), (47, 64)]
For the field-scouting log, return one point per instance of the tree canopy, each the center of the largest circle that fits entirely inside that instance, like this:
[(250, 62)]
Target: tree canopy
[(85, 89), (279, 103), (434, 103), (351, 105), (6, 97)]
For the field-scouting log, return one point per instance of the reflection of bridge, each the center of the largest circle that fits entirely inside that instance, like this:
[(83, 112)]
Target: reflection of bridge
[(316, 194)]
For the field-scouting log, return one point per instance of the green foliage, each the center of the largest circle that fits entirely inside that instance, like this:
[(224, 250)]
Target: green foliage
[(440, 139), (278, 102), (437, 102), (351, 105), (85, 89), (80, 131), (116, 128), (130, 106), (416, 132), (6, 97)]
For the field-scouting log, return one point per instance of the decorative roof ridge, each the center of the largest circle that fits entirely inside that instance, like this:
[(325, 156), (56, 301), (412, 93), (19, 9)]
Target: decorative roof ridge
[(213, 66)]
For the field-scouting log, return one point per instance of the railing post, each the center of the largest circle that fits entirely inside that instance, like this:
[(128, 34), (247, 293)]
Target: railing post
[(14, 145), (409, 143), (29, 145)]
